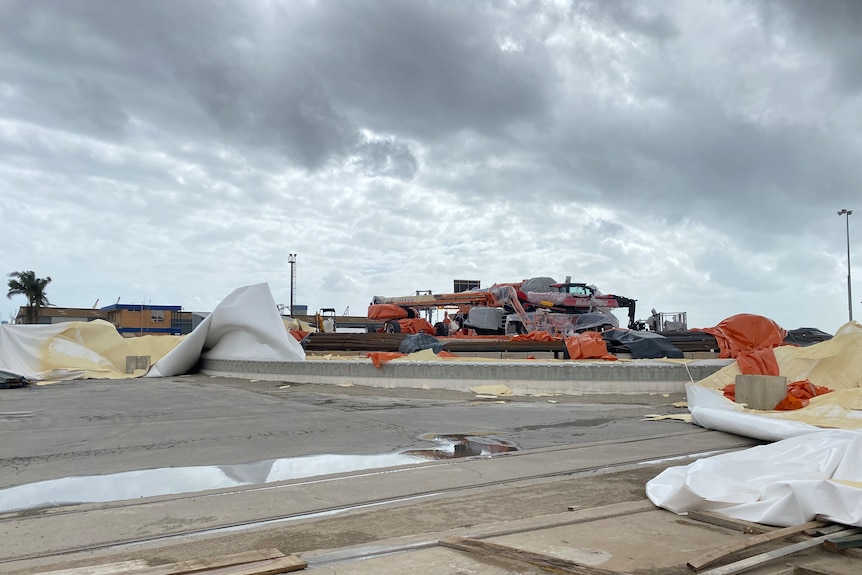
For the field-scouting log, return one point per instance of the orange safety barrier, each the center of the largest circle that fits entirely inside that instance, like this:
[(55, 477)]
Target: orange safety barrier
[(745, 332), (588, 345), (378, 358)]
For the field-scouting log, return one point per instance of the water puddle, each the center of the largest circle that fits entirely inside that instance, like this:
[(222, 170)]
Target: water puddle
[(130, 485), (454, 446)]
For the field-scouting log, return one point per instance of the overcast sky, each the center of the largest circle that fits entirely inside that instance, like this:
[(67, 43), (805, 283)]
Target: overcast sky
[(689, 154)]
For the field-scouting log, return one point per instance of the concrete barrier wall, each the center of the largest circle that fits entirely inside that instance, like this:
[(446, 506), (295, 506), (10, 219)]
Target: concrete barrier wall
[(523, 377)]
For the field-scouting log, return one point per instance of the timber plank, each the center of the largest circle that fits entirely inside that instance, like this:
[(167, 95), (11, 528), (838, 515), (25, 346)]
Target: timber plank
[(849, 542), (263, 567), (729, 522), (800, 570), (495, 551), (757, 560), (102, 569), (716, 555), (238, 560)]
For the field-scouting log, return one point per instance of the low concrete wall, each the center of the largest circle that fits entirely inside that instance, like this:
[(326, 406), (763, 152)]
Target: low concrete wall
[(522, 377)]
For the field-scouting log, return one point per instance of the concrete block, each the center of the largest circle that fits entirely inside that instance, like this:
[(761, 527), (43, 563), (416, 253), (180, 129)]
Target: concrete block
[(760, 391), (137, 362)]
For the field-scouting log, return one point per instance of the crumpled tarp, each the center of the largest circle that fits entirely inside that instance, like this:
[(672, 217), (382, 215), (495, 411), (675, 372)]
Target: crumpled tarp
[(246, 325), (784, 483), (420, 341), (643, 344), (588, 345), (745, 332), (808, 471)]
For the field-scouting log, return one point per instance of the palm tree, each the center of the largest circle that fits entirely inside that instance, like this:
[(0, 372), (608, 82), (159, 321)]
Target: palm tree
[(31, 287)]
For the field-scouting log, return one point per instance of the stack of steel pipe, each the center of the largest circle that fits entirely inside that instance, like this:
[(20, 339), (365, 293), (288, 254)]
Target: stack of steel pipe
[(320, 341), (690, 341)]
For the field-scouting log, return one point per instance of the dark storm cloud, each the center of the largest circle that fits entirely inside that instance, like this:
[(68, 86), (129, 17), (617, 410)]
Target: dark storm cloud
[(401, 66), (668, 147), (831, 26), (430, 68)]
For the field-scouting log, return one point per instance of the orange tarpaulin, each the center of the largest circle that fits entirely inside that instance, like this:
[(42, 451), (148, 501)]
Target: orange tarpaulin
[(386, 311), (798, 394), (418, 325), (298, 334), (588, 345), (378, 358), (535, 336), (745, 332), (758, 362)]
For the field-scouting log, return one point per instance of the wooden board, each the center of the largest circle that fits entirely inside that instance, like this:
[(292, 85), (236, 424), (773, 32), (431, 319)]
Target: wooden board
[(258, 562), (716, 555), (494, 551), (758, 560), (849, 542), (264, 567), (729, 522), (103, 569), (800, 570)]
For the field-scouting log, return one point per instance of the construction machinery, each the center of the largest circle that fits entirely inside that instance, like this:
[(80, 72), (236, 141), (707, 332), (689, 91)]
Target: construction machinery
[(537, 304), (404, 313), (324, 320)]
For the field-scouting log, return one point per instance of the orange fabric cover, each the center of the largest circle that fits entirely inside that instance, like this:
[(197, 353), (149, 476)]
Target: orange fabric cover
[(745, 332), (758, 362), (298, 334), (378, 358), (535, 336), (386, 311), (588, 345), (417, 325), (798, 394)]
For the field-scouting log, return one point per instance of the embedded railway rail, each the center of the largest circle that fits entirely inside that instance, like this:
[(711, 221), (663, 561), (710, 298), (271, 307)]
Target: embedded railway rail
[(547, 465)]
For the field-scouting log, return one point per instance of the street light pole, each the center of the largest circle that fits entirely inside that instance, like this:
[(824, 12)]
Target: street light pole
[(846, 214), (291, 258)]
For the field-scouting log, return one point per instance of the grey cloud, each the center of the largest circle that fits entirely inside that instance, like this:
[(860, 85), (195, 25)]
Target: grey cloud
[(426, 68), (98, 109), (630, 15), (386, 158), (832, 27)]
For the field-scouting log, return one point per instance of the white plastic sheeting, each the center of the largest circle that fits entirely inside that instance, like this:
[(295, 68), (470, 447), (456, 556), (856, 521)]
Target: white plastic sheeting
[(246, 325), (808, 471), (784, 483)]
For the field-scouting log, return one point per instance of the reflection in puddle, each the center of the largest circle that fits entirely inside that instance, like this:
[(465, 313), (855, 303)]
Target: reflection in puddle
[(452, 446), (173, 480)]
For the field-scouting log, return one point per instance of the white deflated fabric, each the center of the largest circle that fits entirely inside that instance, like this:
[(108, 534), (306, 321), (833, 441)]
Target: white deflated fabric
[(783, 483), (246, 325), (710, 409)]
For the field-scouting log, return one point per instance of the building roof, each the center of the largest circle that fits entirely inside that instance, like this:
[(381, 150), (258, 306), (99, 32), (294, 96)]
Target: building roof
[(140, 306), (65, 312)]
